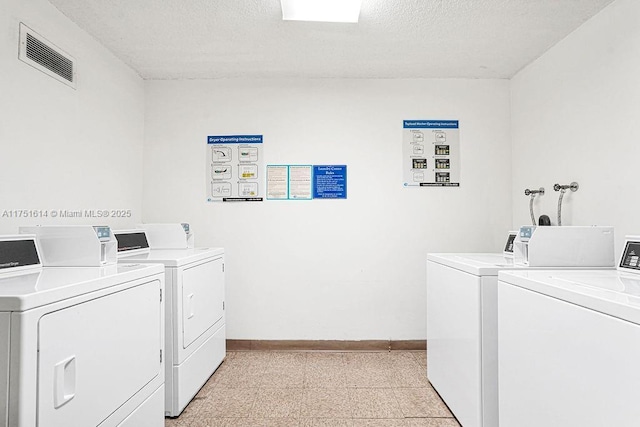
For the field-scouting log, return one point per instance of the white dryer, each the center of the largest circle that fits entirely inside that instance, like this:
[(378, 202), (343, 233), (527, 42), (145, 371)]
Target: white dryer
[(79, 346), (569, 345), (462, 310), (195, 313)]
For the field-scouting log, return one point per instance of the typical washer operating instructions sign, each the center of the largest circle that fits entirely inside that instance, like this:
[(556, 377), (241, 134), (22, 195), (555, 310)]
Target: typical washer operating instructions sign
[(431, 153), (234, 166)]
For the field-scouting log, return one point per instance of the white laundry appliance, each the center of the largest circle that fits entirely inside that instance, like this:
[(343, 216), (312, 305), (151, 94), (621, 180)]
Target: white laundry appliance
[(79, 346), (462, 310), (569, 345), (195, 313)]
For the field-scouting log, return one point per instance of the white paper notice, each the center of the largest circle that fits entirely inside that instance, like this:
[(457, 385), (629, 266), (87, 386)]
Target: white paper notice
[(300, 182), (277, 182)]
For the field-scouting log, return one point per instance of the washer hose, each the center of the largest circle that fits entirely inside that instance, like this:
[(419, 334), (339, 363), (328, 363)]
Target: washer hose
[(533, 217), (562, 191)]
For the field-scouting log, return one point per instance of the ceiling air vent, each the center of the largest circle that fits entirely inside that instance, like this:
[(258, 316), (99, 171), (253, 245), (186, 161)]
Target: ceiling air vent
[(40, 53)]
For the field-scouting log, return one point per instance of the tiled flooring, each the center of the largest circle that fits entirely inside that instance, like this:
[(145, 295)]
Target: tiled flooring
[(308, 389)]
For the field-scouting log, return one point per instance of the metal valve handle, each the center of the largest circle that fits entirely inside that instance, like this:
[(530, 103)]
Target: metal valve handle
[(528, 192), (573, 187)]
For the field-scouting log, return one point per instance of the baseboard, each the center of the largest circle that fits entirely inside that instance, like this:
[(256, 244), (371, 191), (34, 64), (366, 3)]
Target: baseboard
[(325, 345)]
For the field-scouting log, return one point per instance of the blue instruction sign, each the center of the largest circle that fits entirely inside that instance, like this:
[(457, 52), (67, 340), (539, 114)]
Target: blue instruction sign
[(430, 124), (329, 181)]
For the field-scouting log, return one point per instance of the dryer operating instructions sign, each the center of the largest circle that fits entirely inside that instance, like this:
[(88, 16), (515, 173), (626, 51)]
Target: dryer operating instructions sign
[(234, 166), (431, 153)]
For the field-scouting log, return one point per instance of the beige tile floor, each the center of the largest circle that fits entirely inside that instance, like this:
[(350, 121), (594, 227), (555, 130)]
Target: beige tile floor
[(309, 389)]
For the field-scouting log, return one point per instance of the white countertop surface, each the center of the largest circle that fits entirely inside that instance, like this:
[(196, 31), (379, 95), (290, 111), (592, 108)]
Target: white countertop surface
[(171, 257), (479, 264), (41, 286)]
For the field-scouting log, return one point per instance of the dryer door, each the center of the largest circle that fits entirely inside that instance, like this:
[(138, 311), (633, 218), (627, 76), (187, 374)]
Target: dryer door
[(96, 355), (202, 298)]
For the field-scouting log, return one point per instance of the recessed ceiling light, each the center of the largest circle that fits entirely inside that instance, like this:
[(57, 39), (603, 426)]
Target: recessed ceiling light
[(321, 10)]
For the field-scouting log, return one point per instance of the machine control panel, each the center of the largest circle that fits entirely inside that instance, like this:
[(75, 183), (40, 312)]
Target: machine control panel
[(631, 256), (526, 231), (18, 253), (131, 241), (103, 232), (186, 227), (508, 248)]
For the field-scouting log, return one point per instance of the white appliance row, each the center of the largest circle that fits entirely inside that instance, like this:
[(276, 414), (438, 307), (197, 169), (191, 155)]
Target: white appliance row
[(462, 310), (96, 331)]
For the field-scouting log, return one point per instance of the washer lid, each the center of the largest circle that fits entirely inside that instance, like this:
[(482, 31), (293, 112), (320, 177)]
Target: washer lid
[(479, 264), (611, 292)]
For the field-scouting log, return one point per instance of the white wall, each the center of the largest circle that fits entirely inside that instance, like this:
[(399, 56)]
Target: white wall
[(65, 148), (576, 117), (330, 269)]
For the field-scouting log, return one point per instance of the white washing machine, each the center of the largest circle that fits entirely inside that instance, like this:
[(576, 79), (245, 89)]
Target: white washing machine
[(462, 347), (79, 346), (195, 313), (569, 345)]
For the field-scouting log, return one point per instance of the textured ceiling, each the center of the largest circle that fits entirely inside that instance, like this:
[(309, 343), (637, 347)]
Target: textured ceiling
[(190, 39)]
